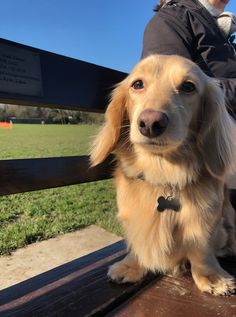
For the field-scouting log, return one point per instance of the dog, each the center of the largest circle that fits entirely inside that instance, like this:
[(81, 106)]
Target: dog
[(174, 143)]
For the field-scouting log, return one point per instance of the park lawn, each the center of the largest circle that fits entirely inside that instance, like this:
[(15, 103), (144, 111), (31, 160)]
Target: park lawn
[(37, 140), (29, 217)]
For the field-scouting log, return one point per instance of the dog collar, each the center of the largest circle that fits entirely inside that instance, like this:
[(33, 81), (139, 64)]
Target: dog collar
[(169, 201)]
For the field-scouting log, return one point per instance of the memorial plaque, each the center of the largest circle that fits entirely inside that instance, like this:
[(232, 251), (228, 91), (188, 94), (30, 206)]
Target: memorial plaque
[(20, 71)]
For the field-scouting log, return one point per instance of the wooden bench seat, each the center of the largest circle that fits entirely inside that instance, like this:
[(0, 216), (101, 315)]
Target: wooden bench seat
[(81, 288), (179, 297), (78, 288)]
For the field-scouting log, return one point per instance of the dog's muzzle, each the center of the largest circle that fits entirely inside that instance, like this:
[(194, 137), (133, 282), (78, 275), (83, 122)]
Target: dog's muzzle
[(152, 123)]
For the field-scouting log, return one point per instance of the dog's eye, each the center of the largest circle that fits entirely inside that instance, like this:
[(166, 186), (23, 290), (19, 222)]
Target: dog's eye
[(187, 87), (138, 84)]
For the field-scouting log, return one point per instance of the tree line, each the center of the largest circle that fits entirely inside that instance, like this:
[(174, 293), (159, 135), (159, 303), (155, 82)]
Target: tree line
[(18, 113)]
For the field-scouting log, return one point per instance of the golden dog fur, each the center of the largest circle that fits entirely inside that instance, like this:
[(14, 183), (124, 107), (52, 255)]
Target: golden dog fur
[(193, 155)]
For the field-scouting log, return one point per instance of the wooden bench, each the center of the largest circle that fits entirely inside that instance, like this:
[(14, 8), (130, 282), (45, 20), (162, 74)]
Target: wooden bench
[(80, 287)]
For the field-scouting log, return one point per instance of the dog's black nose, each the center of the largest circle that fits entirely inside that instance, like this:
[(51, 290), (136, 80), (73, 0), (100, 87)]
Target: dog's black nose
[(152, 123)]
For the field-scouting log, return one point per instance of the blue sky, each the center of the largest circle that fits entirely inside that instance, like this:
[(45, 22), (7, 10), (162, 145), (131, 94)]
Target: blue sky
[(103, 32)]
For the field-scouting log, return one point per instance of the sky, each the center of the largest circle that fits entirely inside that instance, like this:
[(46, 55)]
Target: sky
[(103, 32)]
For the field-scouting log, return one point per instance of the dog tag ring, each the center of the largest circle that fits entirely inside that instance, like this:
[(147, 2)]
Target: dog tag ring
[(168, 203)]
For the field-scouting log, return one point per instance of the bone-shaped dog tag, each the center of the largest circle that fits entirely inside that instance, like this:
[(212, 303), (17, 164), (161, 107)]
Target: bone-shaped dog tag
[(168, 203)]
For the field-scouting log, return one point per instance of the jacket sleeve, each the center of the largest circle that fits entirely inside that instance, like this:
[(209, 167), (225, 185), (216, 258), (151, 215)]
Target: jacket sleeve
[(167, 33), (229, 87)]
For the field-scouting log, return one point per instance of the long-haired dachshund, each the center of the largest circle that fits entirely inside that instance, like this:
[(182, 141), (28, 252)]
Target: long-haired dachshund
[(174, 143)]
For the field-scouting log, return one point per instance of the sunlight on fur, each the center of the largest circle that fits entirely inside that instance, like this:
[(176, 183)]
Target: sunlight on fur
[(173, 138)]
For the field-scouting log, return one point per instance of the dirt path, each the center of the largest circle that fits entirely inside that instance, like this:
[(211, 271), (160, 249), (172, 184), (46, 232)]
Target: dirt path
[(43, 256)]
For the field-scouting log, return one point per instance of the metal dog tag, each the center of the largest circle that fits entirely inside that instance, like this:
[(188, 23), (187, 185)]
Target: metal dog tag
[(168, 203)]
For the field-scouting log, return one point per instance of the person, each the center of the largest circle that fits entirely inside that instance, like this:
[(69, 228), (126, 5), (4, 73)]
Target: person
[(199, 30)]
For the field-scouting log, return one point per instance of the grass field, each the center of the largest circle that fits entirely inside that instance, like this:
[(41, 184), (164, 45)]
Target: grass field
[(30, 217), (33, 140)]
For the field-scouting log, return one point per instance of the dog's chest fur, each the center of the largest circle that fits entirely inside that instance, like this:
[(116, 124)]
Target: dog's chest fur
[(153, 236), (161, 171)]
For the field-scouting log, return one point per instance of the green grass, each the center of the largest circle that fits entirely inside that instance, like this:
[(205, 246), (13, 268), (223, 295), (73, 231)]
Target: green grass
[(29, 217), (30, 141)]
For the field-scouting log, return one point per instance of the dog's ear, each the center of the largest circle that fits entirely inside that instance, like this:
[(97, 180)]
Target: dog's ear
[(216, 139), (109, 135)]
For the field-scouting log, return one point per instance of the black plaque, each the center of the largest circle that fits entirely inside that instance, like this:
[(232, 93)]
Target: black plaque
[(20, 71)]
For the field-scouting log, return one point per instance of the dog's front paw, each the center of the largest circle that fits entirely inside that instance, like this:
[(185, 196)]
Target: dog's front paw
[(216, 284), (122, 272)]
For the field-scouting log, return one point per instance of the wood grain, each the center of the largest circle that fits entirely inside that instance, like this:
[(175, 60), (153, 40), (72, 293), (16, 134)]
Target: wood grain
[(178, 297), (24, 175), (79, 288)]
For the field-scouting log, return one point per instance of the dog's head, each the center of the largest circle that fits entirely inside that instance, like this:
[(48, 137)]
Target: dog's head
[(165, 101)]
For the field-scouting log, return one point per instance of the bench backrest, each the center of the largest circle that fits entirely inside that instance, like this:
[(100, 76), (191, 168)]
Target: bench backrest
[(34, 77)]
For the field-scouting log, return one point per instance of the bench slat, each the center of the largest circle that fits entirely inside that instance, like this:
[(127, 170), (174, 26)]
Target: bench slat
[(79, 288), (24, 175), (66, 82), (179, 297)]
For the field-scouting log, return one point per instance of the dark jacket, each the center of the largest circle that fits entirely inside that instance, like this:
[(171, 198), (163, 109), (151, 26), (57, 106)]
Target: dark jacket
[(186, 28)]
